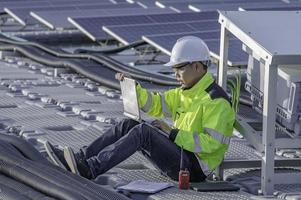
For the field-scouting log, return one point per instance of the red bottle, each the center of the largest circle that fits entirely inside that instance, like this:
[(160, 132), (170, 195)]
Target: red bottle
[(184, 175), (184, 179)]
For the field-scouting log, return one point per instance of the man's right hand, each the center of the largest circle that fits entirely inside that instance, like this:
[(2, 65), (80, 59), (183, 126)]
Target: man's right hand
[(120, 76)]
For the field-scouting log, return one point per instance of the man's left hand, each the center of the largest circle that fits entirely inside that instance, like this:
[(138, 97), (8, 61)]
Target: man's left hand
[(162, 126)]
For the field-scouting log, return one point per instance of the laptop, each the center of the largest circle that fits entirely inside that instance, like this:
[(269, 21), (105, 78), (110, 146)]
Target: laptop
[(130, 99), (130, 102)]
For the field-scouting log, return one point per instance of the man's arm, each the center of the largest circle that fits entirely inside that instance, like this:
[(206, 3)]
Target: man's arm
[(156, 104), (215, 129)]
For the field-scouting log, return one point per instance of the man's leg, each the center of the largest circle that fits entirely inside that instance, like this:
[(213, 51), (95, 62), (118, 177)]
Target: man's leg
[(162, 152), (109, 137), (166, 156)]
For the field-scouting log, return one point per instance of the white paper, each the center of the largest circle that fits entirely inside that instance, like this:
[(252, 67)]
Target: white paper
[(145, 186)]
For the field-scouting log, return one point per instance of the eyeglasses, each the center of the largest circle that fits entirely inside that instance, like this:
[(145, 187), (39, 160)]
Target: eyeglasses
[(180, 67)]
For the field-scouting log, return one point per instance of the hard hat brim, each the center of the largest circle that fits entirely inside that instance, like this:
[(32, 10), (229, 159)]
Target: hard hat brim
[(176, 64), (170, 64)]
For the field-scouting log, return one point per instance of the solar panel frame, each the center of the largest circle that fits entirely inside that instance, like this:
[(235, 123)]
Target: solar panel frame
[(131, 33), (165, 43)]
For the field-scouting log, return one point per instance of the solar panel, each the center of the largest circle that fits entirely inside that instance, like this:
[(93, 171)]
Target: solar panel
[(22, 15), (205, 25), (23, 4), (59, 19), (183, 6), (166, 42), (178, 4), (291, 6), (145, 3), (167, 2), (231, 6), (131, 33), (118, 1), (92, 27), (211, 7), (44, 3), (81, 2), (180, 17)]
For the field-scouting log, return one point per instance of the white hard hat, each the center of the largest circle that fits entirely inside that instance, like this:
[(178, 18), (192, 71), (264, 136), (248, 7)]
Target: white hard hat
[(188, 49)]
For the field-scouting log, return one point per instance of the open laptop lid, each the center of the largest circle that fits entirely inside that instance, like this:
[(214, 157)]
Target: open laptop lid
[(130, 99)]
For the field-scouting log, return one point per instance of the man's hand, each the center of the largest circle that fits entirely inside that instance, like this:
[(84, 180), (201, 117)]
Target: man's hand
[(162, 126), (120, 76)]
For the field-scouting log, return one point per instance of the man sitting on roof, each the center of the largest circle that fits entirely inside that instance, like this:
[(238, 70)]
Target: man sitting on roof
[(203, 124)]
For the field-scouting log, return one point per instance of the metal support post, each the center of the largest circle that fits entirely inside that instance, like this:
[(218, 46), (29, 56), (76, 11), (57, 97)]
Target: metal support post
[(268, 139), (223, 57)]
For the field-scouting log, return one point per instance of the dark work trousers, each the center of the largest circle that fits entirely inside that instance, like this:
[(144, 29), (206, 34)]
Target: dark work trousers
[(127, 137)]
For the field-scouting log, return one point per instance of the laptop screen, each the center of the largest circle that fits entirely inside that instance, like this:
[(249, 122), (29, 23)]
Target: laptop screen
[(130, 100)]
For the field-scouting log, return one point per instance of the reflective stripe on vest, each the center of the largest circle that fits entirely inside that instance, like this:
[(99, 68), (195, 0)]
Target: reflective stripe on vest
[(206, 170), (197, 144), (218, 136), (164, 106), (148, 103), (197, 149)]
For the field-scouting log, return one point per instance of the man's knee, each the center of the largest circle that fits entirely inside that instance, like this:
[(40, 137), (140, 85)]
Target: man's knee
[(142, 133), (142, 129), (129, 122), (143, 126)]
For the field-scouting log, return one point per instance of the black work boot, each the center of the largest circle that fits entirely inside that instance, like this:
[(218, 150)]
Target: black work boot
[(77, 163), (56, 155)]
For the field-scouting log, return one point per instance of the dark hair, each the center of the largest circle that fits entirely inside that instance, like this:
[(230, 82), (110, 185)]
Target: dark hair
[(205, 64)]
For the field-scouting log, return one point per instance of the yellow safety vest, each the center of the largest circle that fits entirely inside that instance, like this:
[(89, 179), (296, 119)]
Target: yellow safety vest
[(202, 115)]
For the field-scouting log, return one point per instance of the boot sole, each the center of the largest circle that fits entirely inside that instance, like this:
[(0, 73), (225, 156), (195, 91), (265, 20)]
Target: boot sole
[(52, 155), (70, 159)]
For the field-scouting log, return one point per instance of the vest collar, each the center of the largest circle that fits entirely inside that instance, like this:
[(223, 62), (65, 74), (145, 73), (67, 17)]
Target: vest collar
[(201, 85)]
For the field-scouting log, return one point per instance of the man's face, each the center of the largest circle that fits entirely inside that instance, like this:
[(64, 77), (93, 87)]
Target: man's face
[(187, 74)]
